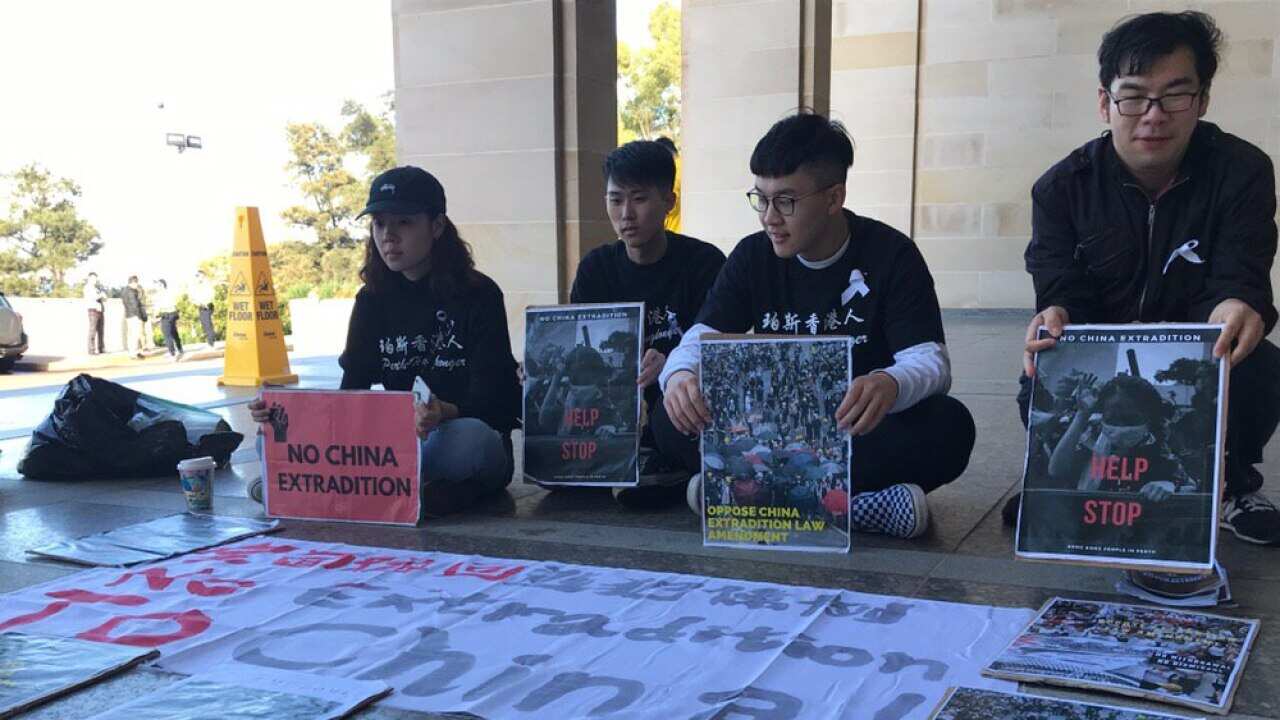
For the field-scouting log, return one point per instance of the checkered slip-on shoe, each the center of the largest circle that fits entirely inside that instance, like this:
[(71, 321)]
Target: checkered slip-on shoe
[(898, 510)]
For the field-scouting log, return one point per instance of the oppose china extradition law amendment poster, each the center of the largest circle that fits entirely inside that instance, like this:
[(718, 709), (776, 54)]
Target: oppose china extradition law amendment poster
[(775, 468)]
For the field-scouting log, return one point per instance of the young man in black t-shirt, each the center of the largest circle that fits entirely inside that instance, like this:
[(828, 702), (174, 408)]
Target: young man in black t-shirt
[(671, 273), (819, 269)]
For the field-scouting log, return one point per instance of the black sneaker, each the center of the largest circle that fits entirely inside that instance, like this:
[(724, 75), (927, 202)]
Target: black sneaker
[(650, 497), (1253, 518), (654, 470), (1009, 513), (661, 486)]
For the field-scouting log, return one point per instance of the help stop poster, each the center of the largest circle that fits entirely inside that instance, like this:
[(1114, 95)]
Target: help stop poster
[(1125, 447), (341, 455)]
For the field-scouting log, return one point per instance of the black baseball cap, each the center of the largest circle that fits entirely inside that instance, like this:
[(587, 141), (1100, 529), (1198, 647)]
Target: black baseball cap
[(405, 190)]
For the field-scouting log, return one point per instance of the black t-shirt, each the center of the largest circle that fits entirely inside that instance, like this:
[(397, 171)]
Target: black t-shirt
[(893, 307), (458, 345), (672, 289)]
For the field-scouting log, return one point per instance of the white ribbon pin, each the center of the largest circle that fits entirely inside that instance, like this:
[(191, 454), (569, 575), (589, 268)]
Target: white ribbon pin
[(857, 287), (1187, 252)]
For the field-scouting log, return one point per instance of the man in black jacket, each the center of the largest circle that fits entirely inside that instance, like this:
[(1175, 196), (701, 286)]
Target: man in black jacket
[(135, 316), (1166, 218)]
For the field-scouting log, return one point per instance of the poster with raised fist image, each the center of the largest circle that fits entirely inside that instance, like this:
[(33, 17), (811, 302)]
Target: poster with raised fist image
[(345, 455)]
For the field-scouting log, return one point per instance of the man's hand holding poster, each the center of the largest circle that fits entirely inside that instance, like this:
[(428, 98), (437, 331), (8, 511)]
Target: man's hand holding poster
[(341, 455)]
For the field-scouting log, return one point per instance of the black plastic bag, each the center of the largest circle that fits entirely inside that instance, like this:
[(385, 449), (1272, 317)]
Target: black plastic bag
[(101, 429)]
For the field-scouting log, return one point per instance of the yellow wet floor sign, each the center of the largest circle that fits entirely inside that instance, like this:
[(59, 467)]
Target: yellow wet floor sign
[(255, 338)]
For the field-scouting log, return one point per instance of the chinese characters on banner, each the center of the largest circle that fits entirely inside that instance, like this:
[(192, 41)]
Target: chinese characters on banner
[(514, 638)]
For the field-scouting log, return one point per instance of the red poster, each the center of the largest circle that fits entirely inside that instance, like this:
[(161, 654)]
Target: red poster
[(341, 455)]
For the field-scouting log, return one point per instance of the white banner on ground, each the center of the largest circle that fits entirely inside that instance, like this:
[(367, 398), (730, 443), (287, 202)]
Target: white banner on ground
[(524, 639)]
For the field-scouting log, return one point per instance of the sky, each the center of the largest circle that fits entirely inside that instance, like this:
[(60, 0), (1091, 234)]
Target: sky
[(633, 20), (86, 105), (91, 88)]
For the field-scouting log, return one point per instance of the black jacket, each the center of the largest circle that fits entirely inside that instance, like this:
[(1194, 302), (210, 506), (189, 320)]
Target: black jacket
[(1102, 250), (133, 303)]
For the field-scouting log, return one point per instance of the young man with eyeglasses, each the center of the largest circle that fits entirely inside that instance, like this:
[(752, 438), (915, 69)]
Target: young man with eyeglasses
[(818, 269), (1166, 218), (669, 272)]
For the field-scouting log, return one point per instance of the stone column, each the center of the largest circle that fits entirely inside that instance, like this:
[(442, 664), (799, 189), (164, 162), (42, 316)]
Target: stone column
[(589, 129), (512, 105), (747, 64), (873, 92)]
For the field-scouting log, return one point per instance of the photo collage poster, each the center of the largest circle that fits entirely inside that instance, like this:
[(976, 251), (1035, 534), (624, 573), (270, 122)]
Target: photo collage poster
[(976, 704), (775, 468), (1162, 654)]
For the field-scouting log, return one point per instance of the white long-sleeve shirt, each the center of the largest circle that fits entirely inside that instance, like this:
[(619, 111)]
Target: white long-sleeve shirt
[(93, 296), (921, 370)]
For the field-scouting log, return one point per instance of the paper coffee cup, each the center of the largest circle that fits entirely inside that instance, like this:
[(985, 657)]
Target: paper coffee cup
[(196, 475)]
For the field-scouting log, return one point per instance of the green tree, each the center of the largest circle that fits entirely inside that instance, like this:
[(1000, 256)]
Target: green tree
[(651, 80), (332, 169), (371, 135), (340, 272), (330, 191), (619, 341), (321, 164), (295, 263), (298, 269), (43, 236), (1187, 371)]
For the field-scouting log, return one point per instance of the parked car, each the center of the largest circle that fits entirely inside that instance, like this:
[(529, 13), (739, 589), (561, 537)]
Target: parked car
[(13, 341)]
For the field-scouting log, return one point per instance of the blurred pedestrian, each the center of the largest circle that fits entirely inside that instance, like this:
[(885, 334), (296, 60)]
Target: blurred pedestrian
[(94, 297), (202, 297), (166, 304), (135, 316)]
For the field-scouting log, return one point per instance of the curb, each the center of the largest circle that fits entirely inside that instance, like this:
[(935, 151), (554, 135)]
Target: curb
[(38, 363)]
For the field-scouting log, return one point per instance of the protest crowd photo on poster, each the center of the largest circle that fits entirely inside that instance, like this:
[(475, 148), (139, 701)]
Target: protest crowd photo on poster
[(976, 704), (1173, 656), (775, 466)]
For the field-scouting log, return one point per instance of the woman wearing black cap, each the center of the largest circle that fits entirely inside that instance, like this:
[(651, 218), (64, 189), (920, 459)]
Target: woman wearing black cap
[(425, 311)]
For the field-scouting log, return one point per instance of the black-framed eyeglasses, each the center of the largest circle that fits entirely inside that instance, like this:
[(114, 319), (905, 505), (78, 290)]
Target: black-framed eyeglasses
[(784, 204), (1140, 105)]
